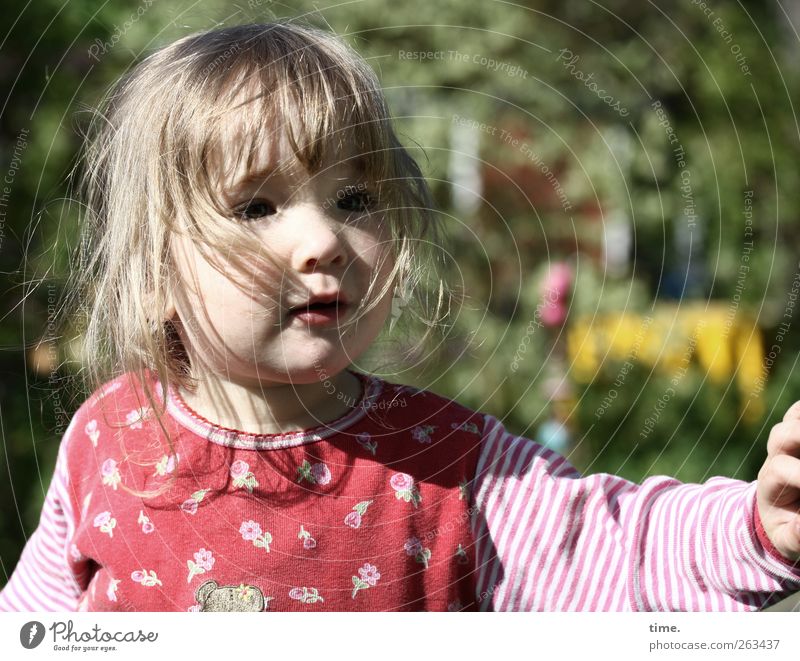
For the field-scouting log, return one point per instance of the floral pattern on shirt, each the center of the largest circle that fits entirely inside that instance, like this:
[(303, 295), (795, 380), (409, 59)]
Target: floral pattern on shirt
[(251, 532), (146, 523), (305, 595), (135, 418), (405, 488), (243, 477), (92, 432), (422, 434), (365, 441), (145, 577), (413, 547), (110, 472), (190, 504), (166, 465), (353, 519), (368, 577), (308, 541), (316, 474), (105, 522), (203, 561)]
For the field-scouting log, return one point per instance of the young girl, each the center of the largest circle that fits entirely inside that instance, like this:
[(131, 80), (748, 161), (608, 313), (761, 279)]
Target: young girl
[(251, 217)]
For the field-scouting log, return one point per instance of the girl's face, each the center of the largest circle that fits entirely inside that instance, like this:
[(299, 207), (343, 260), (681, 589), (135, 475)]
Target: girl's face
[(241, 318)]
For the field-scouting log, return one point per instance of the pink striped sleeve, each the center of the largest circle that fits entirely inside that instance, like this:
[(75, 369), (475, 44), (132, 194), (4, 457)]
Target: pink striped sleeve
[(548, 539), (42, 579)]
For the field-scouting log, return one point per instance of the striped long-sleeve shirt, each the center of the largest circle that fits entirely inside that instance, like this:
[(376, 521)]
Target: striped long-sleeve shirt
[(543, 537)]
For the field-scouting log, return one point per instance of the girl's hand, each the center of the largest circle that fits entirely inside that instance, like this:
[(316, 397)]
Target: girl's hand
[(779, 486)]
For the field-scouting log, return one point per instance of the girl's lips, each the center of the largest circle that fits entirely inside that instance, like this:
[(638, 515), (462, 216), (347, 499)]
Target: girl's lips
[(320, 314)]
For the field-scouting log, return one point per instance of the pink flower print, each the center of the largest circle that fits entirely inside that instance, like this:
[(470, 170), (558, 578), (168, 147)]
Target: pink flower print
[(462, 556), (422, 434), (137, 416), (353, 519), (106, 523), (368, 576), (242, 476), (147, 578), (308, 541), (321, 473), (203, 562), (401, 482), (316, 474), (471, 427), (110, 473), (369, 573), (405, 489), (305, 595), (366, 442), (92, 432), (167, 464), (190, 504), (195, 608), (414, 548), (144, 521), (111, 591), (251, 532)]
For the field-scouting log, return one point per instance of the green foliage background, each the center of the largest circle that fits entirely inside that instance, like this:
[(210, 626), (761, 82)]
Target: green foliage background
[(739, 132)]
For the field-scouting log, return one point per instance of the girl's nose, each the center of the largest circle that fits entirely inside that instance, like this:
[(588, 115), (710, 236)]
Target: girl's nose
[(316, 241)]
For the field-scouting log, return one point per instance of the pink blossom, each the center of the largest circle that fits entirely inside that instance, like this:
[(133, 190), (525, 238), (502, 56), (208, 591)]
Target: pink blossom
[(171, 463), (369, 574), (189, 506), (239, 469), (102, 519), (413, 546), (148, 527), (204, 559), (309, 543), (353, 519), (321, 474), (296, 593), (138, 576), (193, 609), (250, 530), (402, 482), (108, 467)]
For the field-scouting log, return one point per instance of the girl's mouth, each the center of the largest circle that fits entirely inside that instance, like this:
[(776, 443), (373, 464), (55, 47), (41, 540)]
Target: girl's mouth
[(320, 314)]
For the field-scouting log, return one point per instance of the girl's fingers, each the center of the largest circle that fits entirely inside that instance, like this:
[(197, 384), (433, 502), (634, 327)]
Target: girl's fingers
[(780, 480), (785, 438), (793, 413)]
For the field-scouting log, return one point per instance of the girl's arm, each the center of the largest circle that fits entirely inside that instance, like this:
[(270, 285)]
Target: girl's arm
[(43, 579), (548, 539)]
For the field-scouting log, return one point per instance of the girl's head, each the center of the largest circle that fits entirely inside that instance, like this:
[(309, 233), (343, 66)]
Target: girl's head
[(231, 177)]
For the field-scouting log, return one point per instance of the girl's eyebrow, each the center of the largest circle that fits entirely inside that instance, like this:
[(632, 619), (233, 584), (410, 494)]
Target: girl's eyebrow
[(351, 168)]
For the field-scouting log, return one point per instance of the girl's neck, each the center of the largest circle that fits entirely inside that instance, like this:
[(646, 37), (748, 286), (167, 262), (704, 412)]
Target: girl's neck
[(274, 408)]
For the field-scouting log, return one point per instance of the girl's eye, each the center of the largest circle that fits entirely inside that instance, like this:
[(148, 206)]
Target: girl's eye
[(354, 201), (254, 209)]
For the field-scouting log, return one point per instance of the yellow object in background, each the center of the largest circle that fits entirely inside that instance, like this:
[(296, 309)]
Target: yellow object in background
[(721, 343)]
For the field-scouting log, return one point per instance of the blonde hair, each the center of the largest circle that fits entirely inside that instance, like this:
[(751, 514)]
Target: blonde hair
[(148, 176)]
